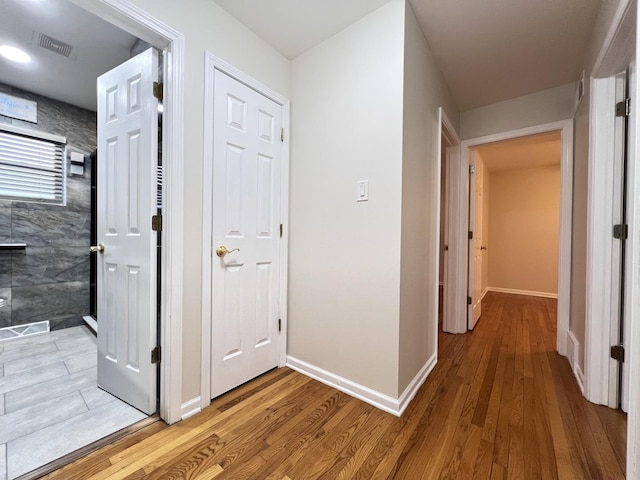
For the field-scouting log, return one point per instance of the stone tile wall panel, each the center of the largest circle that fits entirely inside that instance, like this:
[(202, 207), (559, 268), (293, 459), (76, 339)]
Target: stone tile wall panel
[(50, 280)]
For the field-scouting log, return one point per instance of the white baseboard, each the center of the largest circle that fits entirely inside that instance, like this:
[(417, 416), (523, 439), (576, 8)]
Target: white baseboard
[(484, 292), (366, 394), (190, 408), (522, 292), (572, 348), (573, 351), (413, 387), (577, 371)]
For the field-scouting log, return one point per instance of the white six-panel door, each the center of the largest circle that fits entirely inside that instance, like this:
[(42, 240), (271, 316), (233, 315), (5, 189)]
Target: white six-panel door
[(247, 162), (475, 244), (127, 268)]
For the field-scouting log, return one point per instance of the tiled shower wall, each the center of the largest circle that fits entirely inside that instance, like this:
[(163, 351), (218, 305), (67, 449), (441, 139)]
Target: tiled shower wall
[(50, 280)]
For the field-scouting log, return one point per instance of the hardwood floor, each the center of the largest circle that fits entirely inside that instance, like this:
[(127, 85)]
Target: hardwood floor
[(500, 404)]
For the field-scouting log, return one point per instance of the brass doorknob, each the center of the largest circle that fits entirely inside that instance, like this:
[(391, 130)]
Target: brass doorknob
[(97, 248), (221, 251)]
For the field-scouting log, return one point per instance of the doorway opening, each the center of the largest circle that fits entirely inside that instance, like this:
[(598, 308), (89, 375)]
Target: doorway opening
[(140, 24), (459, 215), (514, 218)]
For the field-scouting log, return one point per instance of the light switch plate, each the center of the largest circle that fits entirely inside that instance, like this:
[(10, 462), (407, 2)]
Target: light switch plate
[(363, 191)]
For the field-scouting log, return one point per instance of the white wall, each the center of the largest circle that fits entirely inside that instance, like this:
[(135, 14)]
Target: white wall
[(207, 27), (344, 265), (545, 106), (424, 91)]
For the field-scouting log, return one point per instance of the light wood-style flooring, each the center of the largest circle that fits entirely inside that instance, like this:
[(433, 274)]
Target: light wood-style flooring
[(501, 403)]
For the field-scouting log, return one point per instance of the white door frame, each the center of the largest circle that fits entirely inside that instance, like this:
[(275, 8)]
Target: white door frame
[(600, 370), (616, 53), (451, 264), (461, 242), (213, 63), (601, 302), (633, 271), (136, 21), (473, 226)]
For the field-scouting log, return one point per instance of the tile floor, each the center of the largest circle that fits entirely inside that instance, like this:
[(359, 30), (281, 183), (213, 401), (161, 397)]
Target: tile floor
[(50, 404)]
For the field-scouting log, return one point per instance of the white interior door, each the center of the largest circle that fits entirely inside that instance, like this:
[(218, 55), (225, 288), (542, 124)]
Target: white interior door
[(475, 252), (247, 162), (127, 268)]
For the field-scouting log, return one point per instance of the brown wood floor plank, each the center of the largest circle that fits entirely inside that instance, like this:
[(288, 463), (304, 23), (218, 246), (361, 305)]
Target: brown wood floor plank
[(500, 404), (401, 437)]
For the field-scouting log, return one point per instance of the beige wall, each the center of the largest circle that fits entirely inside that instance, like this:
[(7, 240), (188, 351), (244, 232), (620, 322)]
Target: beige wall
[(524, 229), (537, 108), (207, 27), (363, 276), (424, 91), (344, 257)]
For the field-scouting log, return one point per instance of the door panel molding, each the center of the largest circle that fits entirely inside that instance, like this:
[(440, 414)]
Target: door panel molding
[(452, 310), (475, 226), (213, 63), (459, 240)]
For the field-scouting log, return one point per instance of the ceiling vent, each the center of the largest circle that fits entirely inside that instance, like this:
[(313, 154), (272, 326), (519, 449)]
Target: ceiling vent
[(56, 46)]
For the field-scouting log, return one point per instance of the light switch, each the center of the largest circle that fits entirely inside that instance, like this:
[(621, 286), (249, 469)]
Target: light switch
[(363, 191)]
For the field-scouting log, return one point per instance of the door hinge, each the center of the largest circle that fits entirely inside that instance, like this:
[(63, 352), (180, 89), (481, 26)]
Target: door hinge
[(621, 232), (623, 108), (156, 223), (282, 134), (617, 353), (469, 301), (470, 235), (155, 355), (158, 90), (280, 230), (279, 324), (472, 169)]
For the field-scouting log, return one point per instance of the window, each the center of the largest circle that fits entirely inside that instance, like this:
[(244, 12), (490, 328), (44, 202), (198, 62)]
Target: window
[(32, 165)]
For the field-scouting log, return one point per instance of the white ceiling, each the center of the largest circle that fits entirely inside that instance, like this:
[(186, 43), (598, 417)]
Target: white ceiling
[(97, 47), (488, 50), (493, 50), (294, 26), (534, 151)]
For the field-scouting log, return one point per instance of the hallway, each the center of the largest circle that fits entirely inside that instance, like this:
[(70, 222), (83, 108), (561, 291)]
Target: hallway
[(499, 404)]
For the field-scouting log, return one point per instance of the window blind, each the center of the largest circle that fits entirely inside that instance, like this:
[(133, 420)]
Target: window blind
[(32, 168)]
